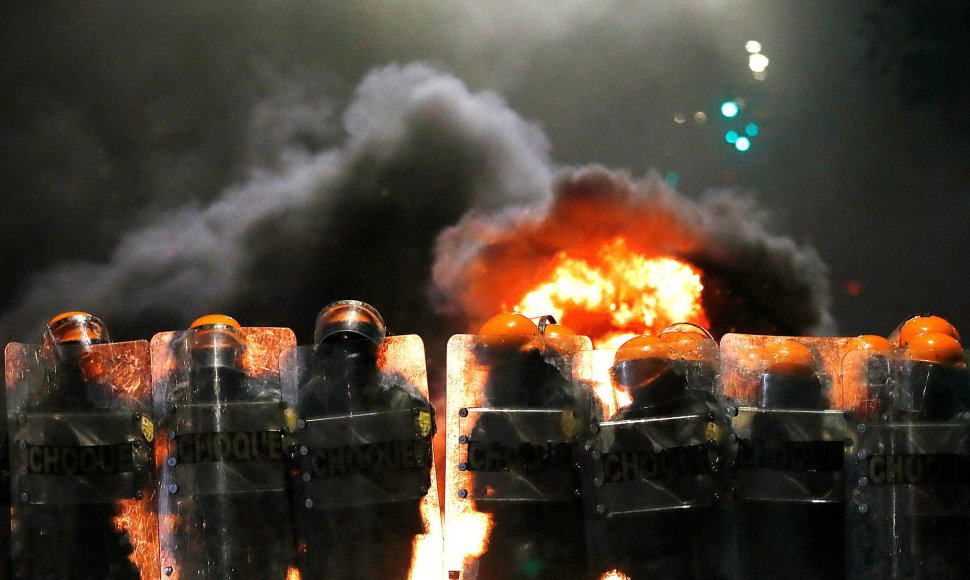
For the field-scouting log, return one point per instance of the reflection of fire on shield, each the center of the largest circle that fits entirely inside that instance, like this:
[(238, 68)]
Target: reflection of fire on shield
[(653, 477), (908, 512), (364, 501), (515, 420), (5, 571), (79, 415), (790, 447), (222, 445)]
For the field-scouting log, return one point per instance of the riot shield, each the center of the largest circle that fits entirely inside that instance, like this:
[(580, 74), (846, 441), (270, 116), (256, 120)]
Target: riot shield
[(222, 446), (365, 502), (512, 483), (5, 571), (790, 439), (653, 472), (81, 456), (908, 508)]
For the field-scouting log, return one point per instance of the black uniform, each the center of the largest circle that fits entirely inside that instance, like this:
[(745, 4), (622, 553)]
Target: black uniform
[(915, 524), (792, 539), (5, 570), (533, 539), (72, 540), (360, 541), (222, 531), (667, 543)]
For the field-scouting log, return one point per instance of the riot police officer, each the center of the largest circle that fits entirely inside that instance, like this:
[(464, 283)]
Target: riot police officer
[(358, 517), (657, 465), (799, 533), (64, 528), (225, 475), (912, 476), (537, 537)]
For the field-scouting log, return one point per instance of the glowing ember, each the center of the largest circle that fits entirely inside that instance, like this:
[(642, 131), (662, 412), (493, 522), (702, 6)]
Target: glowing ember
[(621, 294), (614, 575), (136, 519), (292, 574)]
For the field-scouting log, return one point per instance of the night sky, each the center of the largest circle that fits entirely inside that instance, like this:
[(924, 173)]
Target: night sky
[(161, 160)]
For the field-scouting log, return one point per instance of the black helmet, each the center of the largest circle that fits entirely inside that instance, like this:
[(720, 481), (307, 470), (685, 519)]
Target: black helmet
[(347, 320)]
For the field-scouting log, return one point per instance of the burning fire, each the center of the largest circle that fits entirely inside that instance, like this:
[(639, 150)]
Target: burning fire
[(292, 574), (616, 296), (141, 525), (404, 355), (469, 529), (610, 295), (621, 294), (614, 575), (426, 561), (124, 365), (466, 529)]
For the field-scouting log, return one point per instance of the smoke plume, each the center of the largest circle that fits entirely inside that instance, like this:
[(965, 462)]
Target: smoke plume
[(356, 220), (413, 153)]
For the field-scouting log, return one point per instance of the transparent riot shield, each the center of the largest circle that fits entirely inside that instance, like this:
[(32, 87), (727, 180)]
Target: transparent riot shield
[(365, 499), (653, 471), (515, 422), (790, 440), (908, 508), (5, 571), (222, 445), (81, 456)]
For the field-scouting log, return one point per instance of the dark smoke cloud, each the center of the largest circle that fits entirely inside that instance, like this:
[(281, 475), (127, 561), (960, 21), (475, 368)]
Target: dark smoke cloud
[(354, 220), (755, 281), (348, 200)]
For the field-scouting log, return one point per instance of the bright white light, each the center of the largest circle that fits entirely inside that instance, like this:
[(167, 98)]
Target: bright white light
[(757, 62), (752, 46), (679, 118), (700, 117), (742, 144), (729, 109)]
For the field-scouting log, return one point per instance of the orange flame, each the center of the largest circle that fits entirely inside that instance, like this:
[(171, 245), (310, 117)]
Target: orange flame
[(594, 367), (620, 294), (426, 561), (136, 519), (292, 574), (404, 355), (615, 296), (466, 529), (614, 575)]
